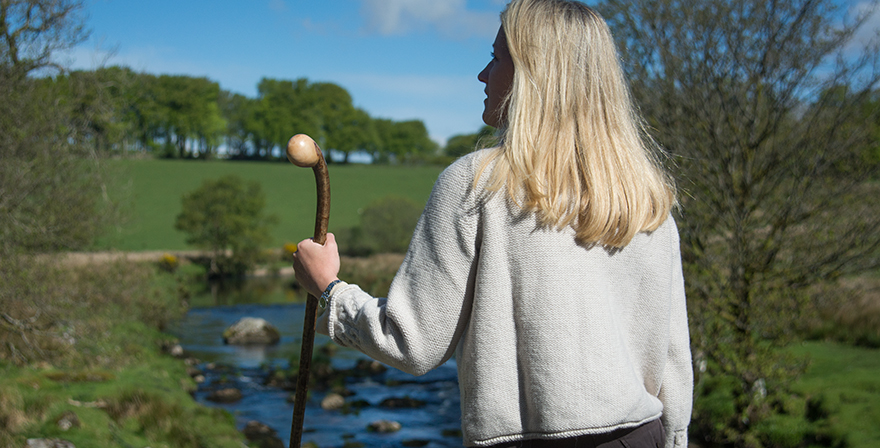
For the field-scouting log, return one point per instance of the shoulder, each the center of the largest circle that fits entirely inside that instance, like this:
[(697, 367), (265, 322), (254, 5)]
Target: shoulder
[(662, 240)]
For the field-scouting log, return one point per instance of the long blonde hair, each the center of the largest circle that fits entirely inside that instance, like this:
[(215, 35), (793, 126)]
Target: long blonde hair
[(573, 149)]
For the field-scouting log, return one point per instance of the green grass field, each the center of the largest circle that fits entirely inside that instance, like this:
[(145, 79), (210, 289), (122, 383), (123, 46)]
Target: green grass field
[(847, 379), (152, 190)]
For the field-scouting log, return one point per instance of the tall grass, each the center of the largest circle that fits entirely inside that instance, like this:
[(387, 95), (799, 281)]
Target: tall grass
[(151, 192)]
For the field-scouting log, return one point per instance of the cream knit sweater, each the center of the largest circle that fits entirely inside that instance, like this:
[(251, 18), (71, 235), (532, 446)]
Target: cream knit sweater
[(552, 339)]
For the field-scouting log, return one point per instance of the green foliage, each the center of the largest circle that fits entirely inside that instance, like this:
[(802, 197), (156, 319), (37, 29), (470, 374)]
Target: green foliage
[(280, 111), (403, 142), (97, 105), (52, 185), (714, 407), (783, 431), (191, 114), (386, 226), (342, 127), (54, 191), (459, 145), (373, 274), (227, 215), (175, 116), (783, 419)]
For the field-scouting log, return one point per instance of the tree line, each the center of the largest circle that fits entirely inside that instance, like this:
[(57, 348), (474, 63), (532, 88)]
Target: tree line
[(177, 116)]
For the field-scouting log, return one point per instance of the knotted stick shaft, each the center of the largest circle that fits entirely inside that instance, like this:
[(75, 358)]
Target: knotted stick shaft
[(302, 151)]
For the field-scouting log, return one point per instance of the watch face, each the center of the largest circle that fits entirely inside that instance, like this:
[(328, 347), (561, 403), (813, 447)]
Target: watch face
[(325, 296)]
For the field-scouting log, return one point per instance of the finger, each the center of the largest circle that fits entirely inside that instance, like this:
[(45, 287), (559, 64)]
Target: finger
[(305, 243)]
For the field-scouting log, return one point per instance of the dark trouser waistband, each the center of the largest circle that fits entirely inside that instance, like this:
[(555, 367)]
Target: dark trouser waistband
[(648, 435)]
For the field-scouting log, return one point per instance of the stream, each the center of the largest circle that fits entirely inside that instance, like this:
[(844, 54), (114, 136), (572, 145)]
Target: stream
[(436, 423)]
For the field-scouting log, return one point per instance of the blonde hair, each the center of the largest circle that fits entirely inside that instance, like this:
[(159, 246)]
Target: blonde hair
[(573, 149)]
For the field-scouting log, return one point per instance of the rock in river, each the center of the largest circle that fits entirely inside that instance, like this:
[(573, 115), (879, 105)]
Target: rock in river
[(228, 395), (384, 426), (251, 331), (332, 402), (262, 435)]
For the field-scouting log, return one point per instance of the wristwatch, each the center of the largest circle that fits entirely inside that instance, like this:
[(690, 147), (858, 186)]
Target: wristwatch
[(325, 296)]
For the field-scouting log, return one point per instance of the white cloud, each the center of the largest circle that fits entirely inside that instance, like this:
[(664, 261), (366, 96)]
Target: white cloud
[(449, 17)]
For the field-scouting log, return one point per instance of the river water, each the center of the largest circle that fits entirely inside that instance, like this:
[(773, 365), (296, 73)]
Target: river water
[(435, 424)]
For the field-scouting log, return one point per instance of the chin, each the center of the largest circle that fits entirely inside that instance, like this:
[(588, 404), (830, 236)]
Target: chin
[(490, 120)]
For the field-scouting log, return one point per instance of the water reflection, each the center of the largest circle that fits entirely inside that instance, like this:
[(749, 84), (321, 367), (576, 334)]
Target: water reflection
[(200, 332)]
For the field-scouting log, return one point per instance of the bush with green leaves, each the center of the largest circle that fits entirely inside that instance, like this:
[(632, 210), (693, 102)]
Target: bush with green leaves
[(782, 419), (386, 226), (226, 217)]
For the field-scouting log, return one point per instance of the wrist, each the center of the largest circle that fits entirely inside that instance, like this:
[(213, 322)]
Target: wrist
[(328, 290)]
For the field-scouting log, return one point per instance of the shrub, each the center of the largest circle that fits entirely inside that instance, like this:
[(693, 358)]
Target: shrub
[(386, 226), (226, 217), (169, 263)]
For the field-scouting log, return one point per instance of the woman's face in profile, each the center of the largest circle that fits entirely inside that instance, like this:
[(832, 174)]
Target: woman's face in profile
[(498, 77)]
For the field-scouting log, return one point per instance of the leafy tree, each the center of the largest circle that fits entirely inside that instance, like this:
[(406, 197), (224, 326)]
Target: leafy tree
[(459, 145), (226, 216), (145, 113), (238, 111), (190, 113), (98, 102), (283, 109), (322, 110), (343, 127), (403, 141), (738, 92), (51, 180)]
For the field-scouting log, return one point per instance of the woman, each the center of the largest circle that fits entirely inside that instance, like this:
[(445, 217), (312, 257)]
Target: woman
[(549, 265)]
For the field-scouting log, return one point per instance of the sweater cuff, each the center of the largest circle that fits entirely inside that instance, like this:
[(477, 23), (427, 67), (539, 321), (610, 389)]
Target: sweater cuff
[(678, 439), (328, 317)]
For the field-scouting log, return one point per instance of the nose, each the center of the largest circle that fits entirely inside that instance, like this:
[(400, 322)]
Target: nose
[(483, 76)]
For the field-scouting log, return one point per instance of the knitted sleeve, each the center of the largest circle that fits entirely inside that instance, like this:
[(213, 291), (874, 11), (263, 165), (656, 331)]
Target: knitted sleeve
[(418, 326), (676, 391)]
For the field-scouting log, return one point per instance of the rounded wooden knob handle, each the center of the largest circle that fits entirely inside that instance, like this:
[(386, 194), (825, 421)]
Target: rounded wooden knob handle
[(302, 151)]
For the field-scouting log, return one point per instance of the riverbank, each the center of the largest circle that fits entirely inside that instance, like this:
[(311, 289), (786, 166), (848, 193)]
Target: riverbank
[(82, 359), (81, 348)]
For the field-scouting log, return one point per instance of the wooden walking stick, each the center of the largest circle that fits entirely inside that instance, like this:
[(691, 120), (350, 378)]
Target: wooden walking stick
[(302, 151)]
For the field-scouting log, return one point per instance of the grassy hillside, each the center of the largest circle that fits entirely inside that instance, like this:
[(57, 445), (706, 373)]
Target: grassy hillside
[(152, 190)]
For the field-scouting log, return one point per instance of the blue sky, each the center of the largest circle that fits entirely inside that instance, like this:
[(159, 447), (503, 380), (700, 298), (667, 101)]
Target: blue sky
[(399, 59)]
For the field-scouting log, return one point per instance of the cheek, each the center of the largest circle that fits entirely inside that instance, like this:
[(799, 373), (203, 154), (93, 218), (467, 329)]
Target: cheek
[(499, 83)]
